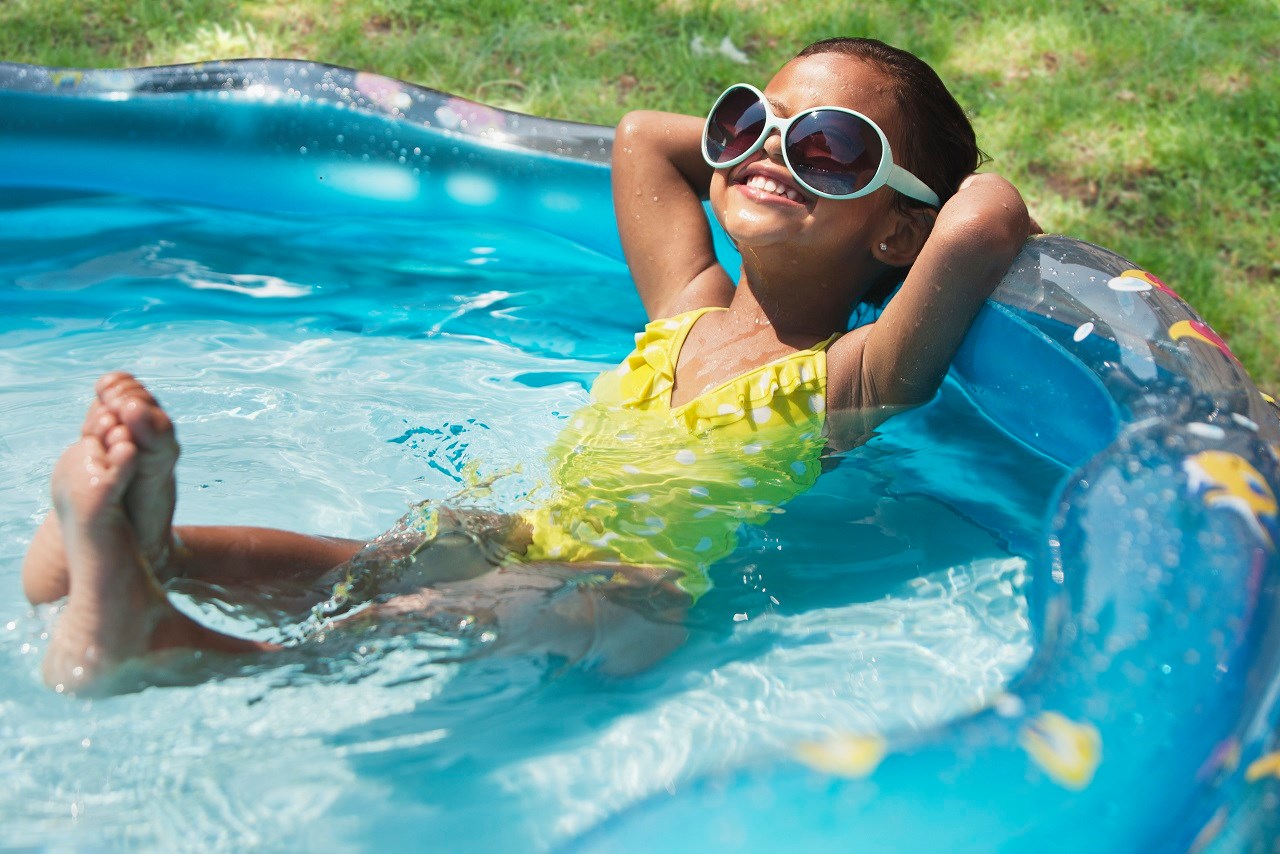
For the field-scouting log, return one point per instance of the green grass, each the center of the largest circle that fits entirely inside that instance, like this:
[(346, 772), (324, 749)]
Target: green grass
[(1149, 127)]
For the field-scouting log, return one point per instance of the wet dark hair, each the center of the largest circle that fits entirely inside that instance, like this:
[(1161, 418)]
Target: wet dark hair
[(939, 147)]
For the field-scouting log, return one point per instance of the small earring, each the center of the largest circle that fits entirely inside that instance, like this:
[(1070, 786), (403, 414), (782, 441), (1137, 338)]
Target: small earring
[(884, 247)]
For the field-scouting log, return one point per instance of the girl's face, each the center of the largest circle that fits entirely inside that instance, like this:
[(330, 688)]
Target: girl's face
[(758, 217)]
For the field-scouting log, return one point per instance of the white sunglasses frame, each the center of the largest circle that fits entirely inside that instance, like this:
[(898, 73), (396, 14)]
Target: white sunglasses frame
[(887, 174)]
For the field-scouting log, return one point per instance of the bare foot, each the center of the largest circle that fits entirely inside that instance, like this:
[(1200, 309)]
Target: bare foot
[(116, 611), (115, 603), (123, 411)]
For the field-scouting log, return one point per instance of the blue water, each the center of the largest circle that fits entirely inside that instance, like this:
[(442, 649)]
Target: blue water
[(322, 375)]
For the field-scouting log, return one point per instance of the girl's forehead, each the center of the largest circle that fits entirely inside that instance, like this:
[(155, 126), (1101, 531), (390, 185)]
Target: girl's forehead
[(831, 80)]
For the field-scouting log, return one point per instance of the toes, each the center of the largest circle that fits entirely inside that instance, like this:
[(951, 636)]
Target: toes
[(112, 379), (125, 401), (112, 464), (116, 435), (116, 389), (94, 453), (98, 421), (146, 420), (120, 459)]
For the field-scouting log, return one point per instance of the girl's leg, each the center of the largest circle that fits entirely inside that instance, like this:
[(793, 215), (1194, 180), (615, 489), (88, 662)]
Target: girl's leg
[(110, 539), (217, 554), (623, 620), (620, 618), (116, 610), (237, 554)]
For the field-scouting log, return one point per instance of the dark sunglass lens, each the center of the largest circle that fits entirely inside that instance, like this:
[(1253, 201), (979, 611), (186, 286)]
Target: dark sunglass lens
[(735, 125), (834, 152)]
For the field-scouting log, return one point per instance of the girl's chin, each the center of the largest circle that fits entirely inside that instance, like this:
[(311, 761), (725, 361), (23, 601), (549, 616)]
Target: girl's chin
[(759, 231)]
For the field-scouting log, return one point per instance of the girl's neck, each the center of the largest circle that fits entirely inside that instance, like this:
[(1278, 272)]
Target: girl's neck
[(799, 304)]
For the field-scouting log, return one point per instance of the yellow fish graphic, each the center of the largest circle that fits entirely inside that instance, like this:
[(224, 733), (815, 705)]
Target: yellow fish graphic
[(1069, 752), (844, 755), (1224, 479), (1263, 766)]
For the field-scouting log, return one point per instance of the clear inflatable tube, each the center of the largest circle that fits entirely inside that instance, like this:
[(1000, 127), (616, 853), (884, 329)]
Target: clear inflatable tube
[(1146, 720)]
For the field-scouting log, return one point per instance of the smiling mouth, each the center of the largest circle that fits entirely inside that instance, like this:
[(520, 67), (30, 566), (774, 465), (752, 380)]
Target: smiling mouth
[(768, 185)]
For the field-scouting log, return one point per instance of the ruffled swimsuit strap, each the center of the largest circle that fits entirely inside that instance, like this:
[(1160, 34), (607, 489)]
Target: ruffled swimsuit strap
[(791, 389), (646, 377)]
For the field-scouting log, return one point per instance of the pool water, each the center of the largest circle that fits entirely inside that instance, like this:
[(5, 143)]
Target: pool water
[(324, 374)]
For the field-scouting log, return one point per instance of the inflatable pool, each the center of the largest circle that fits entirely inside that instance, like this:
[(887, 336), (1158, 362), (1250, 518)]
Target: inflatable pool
[(1146, 717)]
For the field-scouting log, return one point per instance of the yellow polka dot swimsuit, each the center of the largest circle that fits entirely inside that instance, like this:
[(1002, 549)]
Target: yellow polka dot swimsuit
[(638, 482)]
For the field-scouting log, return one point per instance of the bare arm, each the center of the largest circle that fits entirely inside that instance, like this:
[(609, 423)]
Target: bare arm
[(900, 359), (659, 181)]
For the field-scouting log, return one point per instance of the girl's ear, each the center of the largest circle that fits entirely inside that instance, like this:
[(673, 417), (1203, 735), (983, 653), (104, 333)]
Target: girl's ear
[(904, 237)]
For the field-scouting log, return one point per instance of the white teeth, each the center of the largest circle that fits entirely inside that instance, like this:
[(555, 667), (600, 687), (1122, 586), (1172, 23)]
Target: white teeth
[(760, 182)]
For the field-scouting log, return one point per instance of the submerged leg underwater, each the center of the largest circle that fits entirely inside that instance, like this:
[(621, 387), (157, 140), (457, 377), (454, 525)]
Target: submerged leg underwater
[(1002, 599)]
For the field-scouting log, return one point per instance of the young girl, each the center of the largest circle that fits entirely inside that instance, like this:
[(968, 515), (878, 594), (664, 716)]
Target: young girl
[(853, 166)]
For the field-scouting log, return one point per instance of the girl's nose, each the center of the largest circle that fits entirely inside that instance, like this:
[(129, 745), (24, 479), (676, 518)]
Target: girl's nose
[(773, 145)]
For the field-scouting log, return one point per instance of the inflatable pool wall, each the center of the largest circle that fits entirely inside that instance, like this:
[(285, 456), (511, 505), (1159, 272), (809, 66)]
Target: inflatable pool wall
[(1146, 720)]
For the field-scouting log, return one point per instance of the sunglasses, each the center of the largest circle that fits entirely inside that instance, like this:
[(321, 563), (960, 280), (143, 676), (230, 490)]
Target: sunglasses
[(832, 152)]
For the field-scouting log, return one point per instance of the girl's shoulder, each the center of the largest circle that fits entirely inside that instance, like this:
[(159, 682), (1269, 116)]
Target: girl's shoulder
[(710, 289)]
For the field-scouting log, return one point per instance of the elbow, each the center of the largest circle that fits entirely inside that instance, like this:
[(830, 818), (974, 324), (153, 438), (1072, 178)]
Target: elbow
[(633, 127), (628, 125), (634, 141), (992, 216), (630, 145), (630, 128), (996, 234), (1012, 229), (1006, 237)]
